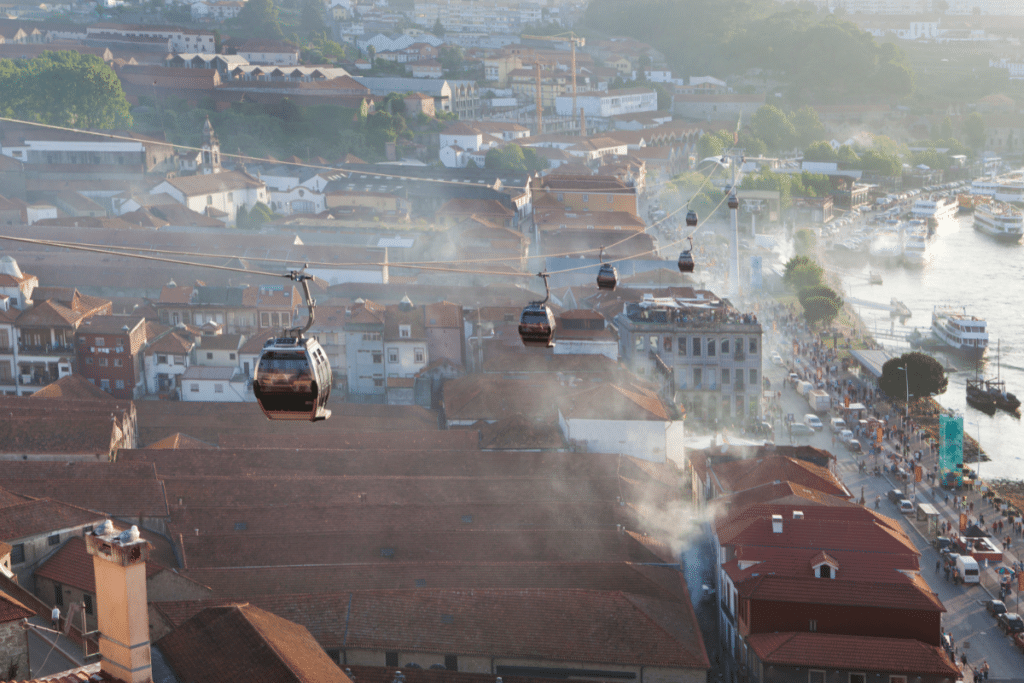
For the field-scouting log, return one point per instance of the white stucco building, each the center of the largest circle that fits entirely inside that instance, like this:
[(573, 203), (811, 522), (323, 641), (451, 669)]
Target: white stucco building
[(218, 195)]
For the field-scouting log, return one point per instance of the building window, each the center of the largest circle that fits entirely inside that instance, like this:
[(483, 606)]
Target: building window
[(586, 197), (858, 678), (119, 384), (897, 679), (405, 331), (100, 341), (194, 388), (697, 377), (209, 355), (378, 357), (88, 361), (666, 343), (179, 360), (231, 356), (825, 572), (725, 346), (378, 382), (218, 388), (87, 599), (103, 362), (451, 662), (209, 199), (53, 540), (420, 355), (118, 362), (725, 375), (753, 345), (58, 595), (560, 196), (264, 319), (390, 659), (392, 355), (17, 553), (696, 346), (753, 377), (711, 347)]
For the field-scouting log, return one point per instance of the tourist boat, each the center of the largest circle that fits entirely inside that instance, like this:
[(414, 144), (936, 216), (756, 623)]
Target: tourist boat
[(1008, 188), (999, 220), (887, 244), (979, 398), (966, 202), (916, 248), (935, 208), (964, 334)]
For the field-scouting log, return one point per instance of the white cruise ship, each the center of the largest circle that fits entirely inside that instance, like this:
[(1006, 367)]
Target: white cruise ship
[(965, 334), (917, 248), (935, 208), (1008, 188), (1000, 220)]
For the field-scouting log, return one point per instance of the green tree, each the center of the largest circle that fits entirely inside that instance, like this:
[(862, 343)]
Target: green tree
[(820, 309), (946, 129), (258, 18), (923, 377), (974, 130), (846, 156), (805, 241), (438, 28), (816, 291), (311, 18), (809, 128), (709, 146), (774, 127), (802, 272), (66, 89), (512, 157), (451, 58), (880, 163), (821, 151)]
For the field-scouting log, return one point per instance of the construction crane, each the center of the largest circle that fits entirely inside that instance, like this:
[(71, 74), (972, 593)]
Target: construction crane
[(574, 39)]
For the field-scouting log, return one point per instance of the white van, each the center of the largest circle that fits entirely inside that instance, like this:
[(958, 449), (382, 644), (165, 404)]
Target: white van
[(837, 424), (814, 422), (968, 568)]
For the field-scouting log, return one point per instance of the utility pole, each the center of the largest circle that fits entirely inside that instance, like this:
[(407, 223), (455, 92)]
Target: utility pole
[(572, 43)]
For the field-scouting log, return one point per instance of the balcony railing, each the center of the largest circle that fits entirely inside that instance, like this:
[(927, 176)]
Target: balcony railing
[(46, 349), (739, 354)]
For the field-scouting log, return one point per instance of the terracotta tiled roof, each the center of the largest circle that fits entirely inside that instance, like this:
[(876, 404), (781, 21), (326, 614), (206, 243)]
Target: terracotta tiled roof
[(72, 566), (443, 314), (114, 496), (226, 181), (423, 440), (492, 397), (49, 313), (233, 643), (553, 625), (747, 473), (171, 343), (73, 387), (900, 593), (492, 545), (177, 441), (482, 207), (9, 498), (517, 432), (663, 583), (32, 518), (13, 610), (785, 492), (853, 653), (614, 402)]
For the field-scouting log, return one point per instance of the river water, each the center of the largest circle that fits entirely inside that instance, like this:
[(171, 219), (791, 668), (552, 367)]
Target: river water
[(967, 268)]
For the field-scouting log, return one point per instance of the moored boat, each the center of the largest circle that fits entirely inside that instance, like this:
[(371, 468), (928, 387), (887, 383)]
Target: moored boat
[(1000, 221), (964, 334)]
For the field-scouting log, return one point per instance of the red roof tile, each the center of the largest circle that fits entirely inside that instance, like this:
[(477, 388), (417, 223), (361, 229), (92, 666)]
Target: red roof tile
[(853, 653), (72, 565), (73, 387), (589, 627), (12, 609), (245, 643), (32, 518)]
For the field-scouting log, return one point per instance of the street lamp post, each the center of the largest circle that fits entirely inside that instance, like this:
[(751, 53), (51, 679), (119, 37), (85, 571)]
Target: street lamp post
[(906, 384)]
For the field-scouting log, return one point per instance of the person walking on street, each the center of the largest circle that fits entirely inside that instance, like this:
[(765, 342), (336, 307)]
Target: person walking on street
[(984, 669), (55, 618)]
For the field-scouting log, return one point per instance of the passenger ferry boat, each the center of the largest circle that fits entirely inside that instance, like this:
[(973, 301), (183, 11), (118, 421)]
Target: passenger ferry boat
[(965, 334), (1000, 220), (917, 248), (1008, 188), (935, 208)]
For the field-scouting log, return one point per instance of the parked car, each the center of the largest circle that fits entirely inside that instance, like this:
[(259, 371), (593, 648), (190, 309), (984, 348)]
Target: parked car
[(906, 507), (837, 424), (814, 422), (995, 607), (941, 543), (845, 435), (854, 446), (777, 359), (1010, 622), (800, 429), (895, 496)]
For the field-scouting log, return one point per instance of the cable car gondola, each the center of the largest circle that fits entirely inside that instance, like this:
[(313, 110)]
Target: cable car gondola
[(537, 324), (691, 219), (734, 203), (686, 263), (607, 276), (293, 376)]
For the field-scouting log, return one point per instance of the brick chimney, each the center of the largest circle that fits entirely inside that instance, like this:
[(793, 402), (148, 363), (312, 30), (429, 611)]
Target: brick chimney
[(119, 562)]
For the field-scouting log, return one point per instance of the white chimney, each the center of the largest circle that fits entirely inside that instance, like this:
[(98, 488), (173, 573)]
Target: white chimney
[(798, 514), (776, 524), (122, 616)]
